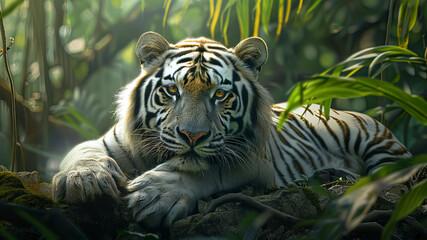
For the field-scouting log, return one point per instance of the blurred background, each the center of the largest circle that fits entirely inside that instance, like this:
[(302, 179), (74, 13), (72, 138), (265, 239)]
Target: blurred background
[(68, 58)]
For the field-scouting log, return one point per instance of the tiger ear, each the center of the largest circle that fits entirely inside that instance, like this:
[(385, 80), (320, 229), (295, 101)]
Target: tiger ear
[(253, 52), (150, 47)]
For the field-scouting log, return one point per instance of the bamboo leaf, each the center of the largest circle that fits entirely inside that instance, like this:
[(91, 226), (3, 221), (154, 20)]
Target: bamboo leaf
[(242, 9), (299, 6), (345, 214), (224, 31), (257, 17), (69, 122), (288, 11), (267, 6), (211, 12), (407, 204), (312, 7), (44, 230), (215, 17), (321, 88), (280, 18), (413, 14), (142, 6), (182, 12), (406, 20), (224, 24), (11, 7), (82, 119), (167, 4)]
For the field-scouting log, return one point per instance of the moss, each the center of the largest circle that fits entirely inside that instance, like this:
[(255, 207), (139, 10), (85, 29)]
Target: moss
[(8, 180), (11, 194), (34, 200), (313, 198), (12, 190)]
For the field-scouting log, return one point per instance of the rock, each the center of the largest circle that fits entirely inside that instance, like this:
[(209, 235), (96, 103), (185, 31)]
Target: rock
[(235, 220), (3, 168), (28, 177), (12, 190)]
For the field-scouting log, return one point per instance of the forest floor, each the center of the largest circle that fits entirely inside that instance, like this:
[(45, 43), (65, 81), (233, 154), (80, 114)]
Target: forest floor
[(28, 212)]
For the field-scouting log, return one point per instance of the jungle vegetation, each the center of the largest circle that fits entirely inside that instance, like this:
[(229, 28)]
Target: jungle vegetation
[(67, 59)]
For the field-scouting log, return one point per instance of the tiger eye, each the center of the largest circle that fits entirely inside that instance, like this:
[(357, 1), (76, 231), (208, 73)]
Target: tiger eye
[(173, 88), (219, 93)]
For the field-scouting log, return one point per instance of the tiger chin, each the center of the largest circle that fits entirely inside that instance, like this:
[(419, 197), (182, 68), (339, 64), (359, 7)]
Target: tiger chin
[(197, 122)]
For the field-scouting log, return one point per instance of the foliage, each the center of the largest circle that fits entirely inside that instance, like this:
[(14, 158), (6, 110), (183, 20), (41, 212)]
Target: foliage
[(406, 205), (377, 50), (347, 212)]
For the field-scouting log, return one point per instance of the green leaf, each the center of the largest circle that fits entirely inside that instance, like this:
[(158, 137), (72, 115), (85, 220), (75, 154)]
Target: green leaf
[(267, 6), (280, 18), (388, 169), (215, 17), (167, 5), (382, 56), (406, 20), (257, 17), (6, 235), (242, 10), (407, 203), (82, 119), (69, 122), (224, 31), (142, 6), (288, 10), (11, 7), (211, 11), (45, 231), (313, 6), (325, 87)]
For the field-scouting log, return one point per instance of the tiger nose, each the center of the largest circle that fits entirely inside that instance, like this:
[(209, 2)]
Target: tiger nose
[(192, 137)]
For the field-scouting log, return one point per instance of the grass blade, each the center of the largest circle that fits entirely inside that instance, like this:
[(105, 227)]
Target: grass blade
[(224, 31), (211, 12), (267, 6), (299, 6), (215, 17), (242, 9), (168, 4), (312, 7), (82, 119), (257, 18), (407, 204), (280, 18), (288, 11)]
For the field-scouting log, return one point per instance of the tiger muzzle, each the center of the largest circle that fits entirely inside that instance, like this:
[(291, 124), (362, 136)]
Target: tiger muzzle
[(193, 138)]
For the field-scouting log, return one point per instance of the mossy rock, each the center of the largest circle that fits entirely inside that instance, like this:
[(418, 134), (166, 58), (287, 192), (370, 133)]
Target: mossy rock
[(12, 190), (8, 180)]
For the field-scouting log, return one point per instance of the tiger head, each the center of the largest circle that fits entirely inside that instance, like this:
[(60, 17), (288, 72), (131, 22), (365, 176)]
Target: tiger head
[(196, 102)]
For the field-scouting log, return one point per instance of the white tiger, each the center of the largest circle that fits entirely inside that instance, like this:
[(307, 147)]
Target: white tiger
[(197, 122)]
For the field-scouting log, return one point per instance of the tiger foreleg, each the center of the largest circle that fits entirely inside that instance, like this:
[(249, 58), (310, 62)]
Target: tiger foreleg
[(162, 195), (84, 177)]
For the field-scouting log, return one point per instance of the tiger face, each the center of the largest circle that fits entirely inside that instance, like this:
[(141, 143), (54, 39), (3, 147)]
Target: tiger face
[(197, 102)]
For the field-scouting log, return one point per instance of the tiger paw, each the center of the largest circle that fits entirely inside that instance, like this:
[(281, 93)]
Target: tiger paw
[(158, 198), (88, 179)]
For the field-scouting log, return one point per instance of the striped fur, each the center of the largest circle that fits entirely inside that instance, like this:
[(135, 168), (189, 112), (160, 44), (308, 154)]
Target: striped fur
[(196, 121), (348, 141)]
